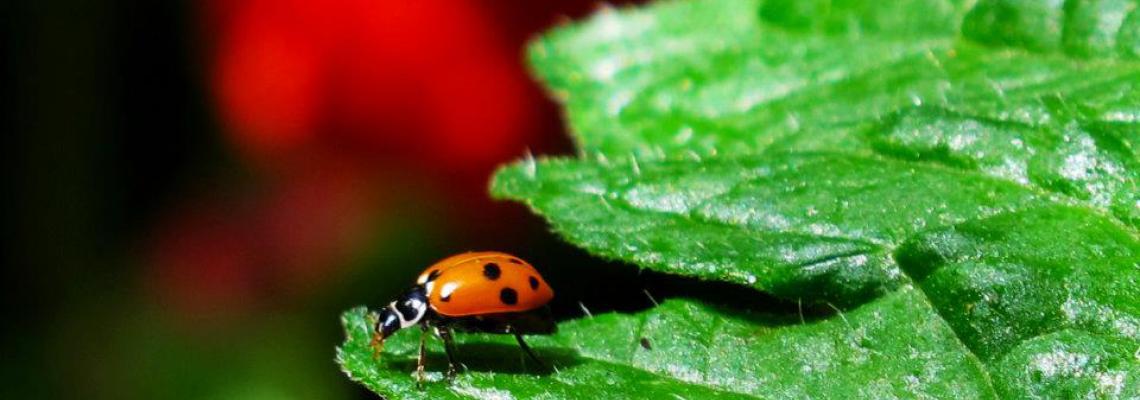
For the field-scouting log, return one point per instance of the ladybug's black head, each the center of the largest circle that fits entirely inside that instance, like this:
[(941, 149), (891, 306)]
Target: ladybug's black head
[(387, 323), (405, 311)]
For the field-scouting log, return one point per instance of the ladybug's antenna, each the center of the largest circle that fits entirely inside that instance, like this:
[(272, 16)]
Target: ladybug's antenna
[(377, 342)]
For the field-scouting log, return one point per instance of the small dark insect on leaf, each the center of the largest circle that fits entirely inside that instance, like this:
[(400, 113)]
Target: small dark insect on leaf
[(645, 344)]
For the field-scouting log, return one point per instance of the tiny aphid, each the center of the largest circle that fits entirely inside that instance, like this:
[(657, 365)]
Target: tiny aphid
[(645, 344), (472, 292)]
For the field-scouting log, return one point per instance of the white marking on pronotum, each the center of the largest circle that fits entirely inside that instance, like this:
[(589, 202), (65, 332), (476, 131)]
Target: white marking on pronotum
[(404, 323), (448, 289), (392, 308), (585, 310), (415, 304), (428, 288)]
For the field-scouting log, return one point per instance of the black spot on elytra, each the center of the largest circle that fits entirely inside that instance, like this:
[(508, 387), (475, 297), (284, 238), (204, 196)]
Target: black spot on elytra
[(509, 296), (533, 283), (433, 274), (515, 261), (445, 298), (492, 271)]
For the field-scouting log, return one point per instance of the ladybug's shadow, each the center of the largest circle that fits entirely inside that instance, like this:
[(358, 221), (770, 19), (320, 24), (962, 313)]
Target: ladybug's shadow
[(498, 358)]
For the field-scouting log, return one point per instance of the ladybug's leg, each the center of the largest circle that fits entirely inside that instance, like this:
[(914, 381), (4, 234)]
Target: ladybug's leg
[(423, 356), (523, 345), (448, 347)]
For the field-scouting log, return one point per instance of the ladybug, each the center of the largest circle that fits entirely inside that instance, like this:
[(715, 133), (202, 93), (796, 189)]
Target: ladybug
[(487, 291)]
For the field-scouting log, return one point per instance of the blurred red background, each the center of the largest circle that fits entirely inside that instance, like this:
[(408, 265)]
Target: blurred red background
[(336, 105)]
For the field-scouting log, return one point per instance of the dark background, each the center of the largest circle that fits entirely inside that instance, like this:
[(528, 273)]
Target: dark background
[(193, 191)]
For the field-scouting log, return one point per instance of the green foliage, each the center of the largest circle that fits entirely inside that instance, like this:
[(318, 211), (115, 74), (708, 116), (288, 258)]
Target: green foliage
[(722, 354), (962, 178)]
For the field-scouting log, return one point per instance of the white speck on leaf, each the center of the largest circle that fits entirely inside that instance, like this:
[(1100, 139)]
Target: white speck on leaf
[(683, 135), (1110, 383), (605, 69), (961, 141), (601, 158), (1077, 166), (1121, 116), (479, 393), (793, 122), (592, 188), (1060, 362), (618, 102)]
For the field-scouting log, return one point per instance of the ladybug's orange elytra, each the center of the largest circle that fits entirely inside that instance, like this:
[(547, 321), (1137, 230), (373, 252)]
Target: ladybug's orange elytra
[(483, 283)]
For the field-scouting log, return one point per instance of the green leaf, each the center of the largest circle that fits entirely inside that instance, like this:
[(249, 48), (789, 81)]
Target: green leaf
[(1011, 270), (961, 177), (665, 82), (696, 351), (819, 226)]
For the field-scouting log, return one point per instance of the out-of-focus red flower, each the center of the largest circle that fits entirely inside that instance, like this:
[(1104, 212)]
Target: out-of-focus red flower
[(337, 103), (200, 265), (314, 221), (429, 82), (268, 78), (221, 257)]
